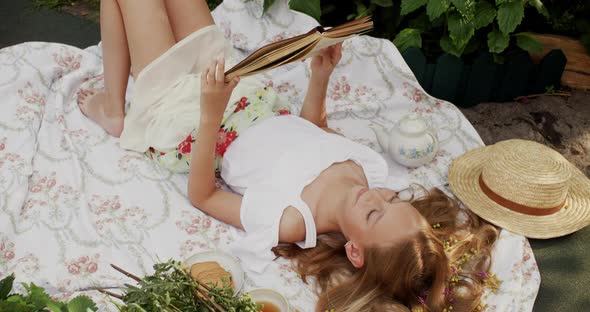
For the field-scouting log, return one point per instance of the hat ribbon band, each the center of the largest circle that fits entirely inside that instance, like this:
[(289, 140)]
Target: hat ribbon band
[(516, 206)]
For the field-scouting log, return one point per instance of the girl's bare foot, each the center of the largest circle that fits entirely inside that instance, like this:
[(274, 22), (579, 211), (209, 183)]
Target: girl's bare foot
[(92, 104)]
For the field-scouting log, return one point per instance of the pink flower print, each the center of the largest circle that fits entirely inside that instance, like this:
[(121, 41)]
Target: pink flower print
[(207, 223), (2, 246), (526, 257), (83, 265), (221, 228), (9, 255), (283, 87), (346, 88), (2, 144), (191, 229), (196, 221), (74, 268), (417, 96), (284, 112), (361, 91), (92, 267), (67, 60), (36, 188), (30, 95)]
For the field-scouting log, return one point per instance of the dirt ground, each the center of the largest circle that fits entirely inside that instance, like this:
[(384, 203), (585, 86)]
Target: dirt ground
[(560, 122)]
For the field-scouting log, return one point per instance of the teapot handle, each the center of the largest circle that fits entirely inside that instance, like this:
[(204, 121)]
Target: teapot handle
[(434, 137)]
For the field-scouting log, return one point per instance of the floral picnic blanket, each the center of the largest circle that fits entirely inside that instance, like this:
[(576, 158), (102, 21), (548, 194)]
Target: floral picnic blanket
[(72, 201)]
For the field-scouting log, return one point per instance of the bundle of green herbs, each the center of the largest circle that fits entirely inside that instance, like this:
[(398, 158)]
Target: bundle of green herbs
[(169, 289), (172, 289)]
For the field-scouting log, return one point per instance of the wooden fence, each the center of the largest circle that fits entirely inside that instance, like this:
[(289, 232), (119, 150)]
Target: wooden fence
[(483, 80)]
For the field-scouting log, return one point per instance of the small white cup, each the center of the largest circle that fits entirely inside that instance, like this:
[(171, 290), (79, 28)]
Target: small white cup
[(262, 295)]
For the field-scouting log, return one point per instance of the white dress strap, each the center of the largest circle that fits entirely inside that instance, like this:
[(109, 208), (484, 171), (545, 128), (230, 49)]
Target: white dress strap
[(310, 228)]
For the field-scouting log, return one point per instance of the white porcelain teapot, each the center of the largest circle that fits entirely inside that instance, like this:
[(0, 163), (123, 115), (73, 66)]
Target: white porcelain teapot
[(410, 143)]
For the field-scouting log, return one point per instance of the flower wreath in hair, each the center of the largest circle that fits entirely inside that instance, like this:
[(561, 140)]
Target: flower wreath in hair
[(490, 280)]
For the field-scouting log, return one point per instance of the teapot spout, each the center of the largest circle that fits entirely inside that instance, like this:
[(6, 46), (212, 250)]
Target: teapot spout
[(382, 136)]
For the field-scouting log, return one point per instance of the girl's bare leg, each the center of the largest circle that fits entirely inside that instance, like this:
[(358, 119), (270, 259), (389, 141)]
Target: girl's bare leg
[(187, 16), (141, 32), (106, 108)]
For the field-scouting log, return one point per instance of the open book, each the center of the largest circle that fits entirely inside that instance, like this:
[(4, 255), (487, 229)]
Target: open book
[(297, 48)]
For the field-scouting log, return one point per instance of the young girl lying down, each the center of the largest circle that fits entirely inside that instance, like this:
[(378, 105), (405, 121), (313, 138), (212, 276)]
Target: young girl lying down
[(300, 190)]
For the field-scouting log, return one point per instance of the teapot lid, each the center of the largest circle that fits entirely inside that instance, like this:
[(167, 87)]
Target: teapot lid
[(412, 124)]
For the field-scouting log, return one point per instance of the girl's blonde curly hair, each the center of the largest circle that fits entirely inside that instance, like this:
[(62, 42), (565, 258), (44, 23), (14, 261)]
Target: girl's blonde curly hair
[(439, 267)]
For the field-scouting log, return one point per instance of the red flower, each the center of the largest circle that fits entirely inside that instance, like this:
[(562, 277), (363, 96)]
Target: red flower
[(284, 112), (189, 139), (184, 147), (241, 104), (224, 139)]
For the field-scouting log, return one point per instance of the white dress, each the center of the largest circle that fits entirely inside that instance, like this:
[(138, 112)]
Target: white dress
[(270, 164), (165, 103)]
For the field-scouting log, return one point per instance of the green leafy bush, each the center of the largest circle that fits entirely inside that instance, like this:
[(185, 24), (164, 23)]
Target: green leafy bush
[(458, 27), (454, 26)]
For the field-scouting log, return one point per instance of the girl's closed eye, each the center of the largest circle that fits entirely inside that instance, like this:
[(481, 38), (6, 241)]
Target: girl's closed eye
[(370, 213)]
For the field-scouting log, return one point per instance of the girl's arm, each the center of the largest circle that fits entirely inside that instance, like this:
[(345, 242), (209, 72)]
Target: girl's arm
[(202, 192), (322, 66), (314, 104)]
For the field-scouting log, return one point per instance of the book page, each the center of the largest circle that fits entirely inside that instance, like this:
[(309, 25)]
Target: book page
[(269, 49), (273, 57), (298, 47)]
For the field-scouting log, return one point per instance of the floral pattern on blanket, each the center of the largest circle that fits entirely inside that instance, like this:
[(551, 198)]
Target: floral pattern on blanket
[(72, 201)]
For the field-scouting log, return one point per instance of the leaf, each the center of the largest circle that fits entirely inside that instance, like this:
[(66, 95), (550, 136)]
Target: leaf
[(449, 47), (383, 3), (484, 14), (81, 304), (460, 30), (465, 7), (497, 41), (37, 296), (528, 43), (408, 38), (436, 8), (309, 7), (421, 22), (540, 7), (362, 10), (57, 307), (267, 4), (409, 6), (6, 286), (14, 306), (510, 14)]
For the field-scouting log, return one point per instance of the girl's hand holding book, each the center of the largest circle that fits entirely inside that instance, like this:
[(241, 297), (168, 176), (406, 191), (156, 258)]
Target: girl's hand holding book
[(215, 92), (323, 63)]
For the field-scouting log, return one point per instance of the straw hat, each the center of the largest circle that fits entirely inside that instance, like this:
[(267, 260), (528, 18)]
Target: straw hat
[(524, 187)]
